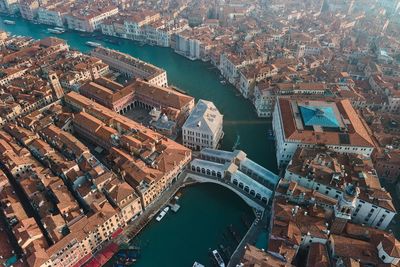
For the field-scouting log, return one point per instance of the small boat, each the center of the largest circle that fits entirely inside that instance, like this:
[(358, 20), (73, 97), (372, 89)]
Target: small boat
[(50, 30), (9, 22), (162, 214), (270, 135), (127, 255), (237, 142), (59, 29), (92, 44), (218, 258), (196, 264), (223, 82)]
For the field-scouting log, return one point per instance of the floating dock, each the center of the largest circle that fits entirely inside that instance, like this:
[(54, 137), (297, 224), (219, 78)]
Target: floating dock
[(174, 207)]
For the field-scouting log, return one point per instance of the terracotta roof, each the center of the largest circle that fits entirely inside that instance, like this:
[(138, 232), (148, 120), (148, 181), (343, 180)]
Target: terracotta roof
[(163, 95), (357, 132), (391, 246)]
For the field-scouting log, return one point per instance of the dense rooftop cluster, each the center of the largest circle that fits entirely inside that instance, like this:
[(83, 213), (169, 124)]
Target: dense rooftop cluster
[(326, 71), (59, 202)]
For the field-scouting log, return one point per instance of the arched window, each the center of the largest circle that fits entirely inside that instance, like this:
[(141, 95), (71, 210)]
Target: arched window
[(213, 173), (235, 182), (252, 192), (198, 169), (208, 172), (246, 188), (203, 171), (219, 174), (264, 199), (258, 196), (241, 185), (193, 168)]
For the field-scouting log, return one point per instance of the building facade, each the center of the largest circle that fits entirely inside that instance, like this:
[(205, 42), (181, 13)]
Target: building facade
[(203, 127)]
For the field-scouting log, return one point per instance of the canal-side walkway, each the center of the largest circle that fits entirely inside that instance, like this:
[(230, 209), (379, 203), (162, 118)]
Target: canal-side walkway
[(134, 228), (260, 223)]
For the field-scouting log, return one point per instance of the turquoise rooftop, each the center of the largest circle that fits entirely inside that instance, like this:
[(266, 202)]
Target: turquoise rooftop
[(319, 116)]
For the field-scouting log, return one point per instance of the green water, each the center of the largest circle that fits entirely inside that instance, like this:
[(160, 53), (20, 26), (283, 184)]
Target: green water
[(206, 210)]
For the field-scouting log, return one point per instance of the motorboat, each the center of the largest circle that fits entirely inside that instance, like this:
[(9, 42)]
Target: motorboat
[(9, 22), (92, 44), (218, 258), (162, 214)]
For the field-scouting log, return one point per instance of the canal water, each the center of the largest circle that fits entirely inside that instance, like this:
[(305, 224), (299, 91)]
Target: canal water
[(202, 223), (206, 210)]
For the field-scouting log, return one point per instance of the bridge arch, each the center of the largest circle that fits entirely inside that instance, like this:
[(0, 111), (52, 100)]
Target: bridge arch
[(201, 179)]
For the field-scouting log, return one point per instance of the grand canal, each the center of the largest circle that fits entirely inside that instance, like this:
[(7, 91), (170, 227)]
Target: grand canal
[(207, 210)]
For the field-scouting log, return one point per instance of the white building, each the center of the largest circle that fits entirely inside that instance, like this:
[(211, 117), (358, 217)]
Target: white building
[(229, 67), (28, 9), (89, 20), (9, 6), (312, 123), (252, 74), (264, 100), (333, 175), (203, 128), (230, 64), (51, 16), (187, 46)]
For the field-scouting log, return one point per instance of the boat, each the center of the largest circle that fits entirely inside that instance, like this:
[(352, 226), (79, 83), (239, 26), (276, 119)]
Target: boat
[(51, 30), (162, 214), (218, 258), (60, 29), (9, 22), (196, 264), (127, 254), (178, 89), (270, 135), (237, 142), (223, 82), (92, 44)]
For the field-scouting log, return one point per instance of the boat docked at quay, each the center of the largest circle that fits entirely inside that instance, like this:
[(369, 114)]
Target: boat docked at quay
[(127, 255), (162, 214), (218, 258)]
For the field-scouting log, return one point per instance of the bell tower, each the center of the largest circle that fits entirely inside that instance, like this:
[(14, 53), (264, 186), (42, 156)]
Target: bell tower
[(344, 209), (55, 85)]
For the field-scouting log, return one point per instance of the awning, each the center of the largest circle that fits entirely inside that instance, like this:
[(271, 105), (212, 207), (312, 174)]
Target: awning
[(117, 233)]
